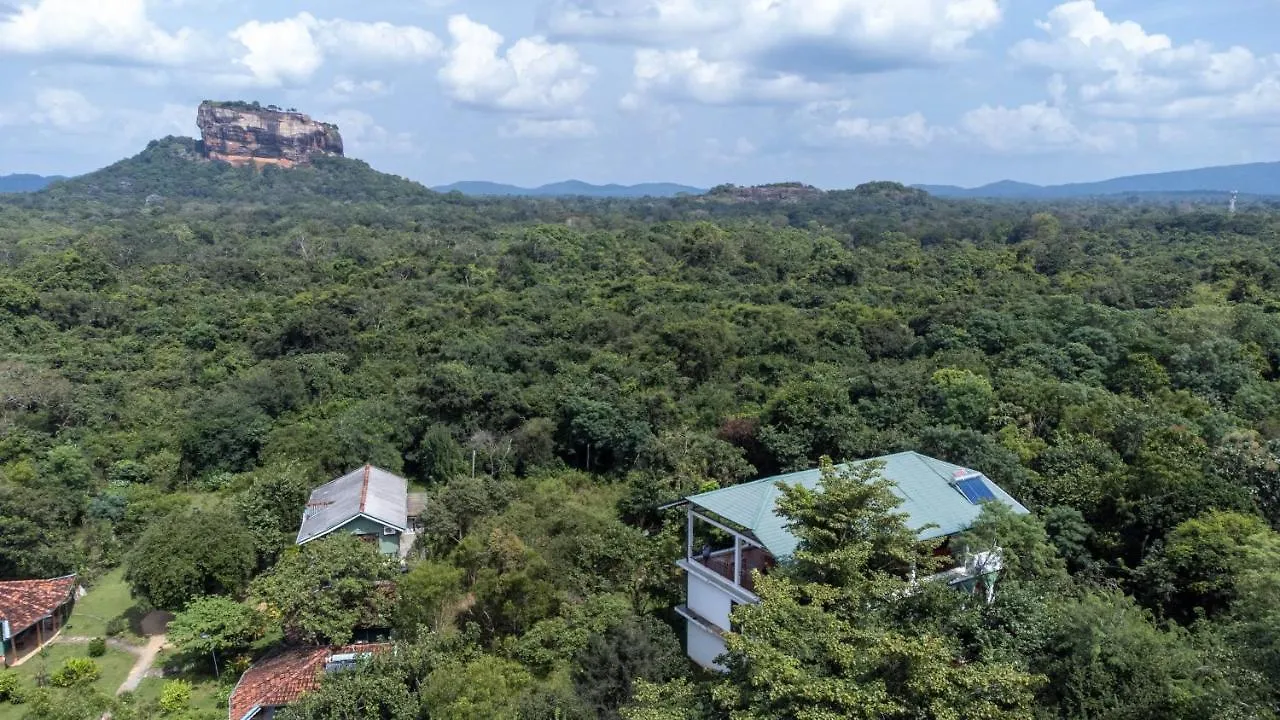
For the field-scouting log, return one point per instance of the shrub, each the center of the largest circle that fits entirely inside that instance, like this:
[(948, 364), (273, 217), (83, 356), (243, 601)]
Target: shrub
[(175, 696), (97, 647), (10, 688), (75, 672), (116, 626)]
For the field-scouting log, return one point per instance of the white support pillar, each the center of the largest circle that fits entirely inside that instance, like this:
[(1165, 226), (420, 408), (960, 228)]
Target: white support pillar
[(737, 561), (688, 536)]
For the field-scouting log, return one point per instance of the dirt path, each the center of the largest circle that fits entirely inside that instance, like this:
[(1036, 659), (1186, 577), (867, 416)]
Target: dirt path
[(116, 643), (146, 658)]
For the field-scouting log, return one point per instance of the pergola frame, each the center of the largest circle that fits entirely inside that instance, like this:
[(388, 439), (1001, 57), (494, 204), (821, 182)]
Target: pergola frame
[(739, 539)]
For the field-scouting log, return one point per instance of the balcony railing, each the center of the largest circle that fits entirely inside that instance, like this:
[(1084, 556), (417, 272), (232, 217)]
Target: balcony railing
[(721, 562)]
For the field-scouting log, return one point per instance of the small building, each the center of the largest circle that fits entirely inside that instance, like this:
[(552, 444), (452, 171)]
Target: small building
[(32, 612), (369, 503), (279, 680), (743, 519)]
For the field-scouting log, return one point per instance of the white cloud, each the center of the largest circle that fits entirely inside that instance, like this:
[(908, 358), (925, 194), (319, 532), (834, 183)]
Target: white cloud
[(377, 42), (292, 50), (118, 30), (53, 109), (532, 76), (718, 152), (829, 123), (64, 109), (279, 52), (1041, 127), (773, 51), (543, 129), (1118, 69), (777, 51), (685, 74), (361, 133), (902, 30), (641, 22), (58, 112), (910, 129), (344, 87), (657, 116)]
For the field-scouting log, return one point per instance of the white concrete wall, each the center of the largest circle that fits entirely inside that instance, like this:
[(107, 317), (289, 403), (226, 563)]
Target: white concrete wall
[(704, 646), (709, 601)]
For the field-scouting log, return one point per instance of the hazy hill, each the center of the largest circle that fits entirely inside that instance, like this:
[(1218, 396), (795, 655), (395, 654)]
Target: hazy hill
[(571, 188), (1251, 179), (25, 183)]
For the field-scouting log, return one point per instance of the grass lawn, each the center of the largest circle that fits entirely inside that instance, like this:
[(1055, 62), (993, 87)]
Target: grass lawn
[(115, 666), (205, 693), (108, 598)]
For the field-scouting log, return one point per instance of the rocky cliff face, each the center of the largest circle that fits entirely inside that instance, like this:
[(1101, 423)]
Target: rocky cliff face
[(240, 134), (791, 192)]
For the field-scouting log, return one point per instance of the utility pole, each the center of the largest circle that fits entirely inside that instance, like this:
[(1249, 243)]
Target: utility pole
[(213, 652)]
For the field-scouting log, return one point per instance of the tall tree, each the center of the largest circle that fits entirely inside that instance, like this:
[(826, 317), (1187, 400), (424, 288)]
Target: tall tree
[(804, 653), (215, 624), (187, 555), (1197, 570), (819, 644), (851, 529), (272, 507), (324, 590)]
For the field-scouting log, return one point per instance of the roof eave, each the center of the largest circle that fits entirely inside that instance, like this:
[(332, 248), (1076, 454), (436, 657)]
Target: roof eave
[(338, 526)]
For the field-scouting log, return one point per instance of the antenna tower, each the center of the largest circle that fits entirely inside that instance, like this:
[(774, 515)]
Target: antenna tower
[(1232, 208)]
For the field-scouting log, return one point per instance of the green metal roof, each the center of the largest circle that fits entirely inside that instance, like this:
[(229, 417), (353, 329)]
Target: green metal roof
[(923, 483)]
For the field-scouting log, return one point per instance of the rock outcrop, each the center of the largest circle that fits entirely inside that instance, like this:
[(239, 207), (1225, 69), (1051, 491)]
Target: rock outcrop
[(789, 192), (243, 133)]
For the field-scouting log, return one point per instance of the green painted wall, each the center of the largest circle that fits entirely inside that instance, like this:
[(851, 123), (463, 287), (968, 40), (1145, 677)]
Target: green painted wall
[(387, 544)]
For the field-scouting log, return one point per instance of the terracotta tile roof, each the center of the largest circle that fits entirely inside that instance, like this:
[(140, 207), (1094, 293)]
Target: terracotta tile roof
[(24, 602), (283, 678)]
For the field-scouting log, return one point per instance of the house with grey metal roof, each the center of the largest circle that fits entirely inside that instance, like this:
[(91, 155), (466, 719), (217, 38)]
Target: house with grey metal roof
[(940, 500), (369, 503)]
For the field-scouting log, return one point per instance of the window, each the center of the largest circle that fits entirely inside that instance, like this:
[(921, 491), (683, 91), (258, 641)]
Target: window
[(389, 531)]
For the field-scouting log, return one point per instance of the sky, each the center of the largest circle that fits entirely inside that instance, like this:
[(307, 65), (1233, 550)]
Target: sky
[(702, 92)]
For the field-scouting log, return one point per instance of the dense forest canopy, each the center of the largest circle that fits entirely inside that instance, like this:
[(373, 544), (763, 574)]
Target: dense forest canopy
[(186, 349)]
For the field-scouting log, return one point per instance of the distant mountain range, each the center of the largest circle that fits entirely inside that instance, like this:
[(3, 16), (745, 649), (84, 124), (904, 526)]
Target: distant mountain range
[(25, 183), (571, 188), (1251, 179)]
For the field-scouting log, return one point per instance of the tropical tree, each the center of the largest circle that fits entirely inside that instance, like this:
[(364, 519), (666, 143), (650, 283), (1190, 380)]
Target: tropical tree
[(189, 555), (215, 624), (272, 507), (1197, 570), (850, 528), (324, 590), (803, 653)]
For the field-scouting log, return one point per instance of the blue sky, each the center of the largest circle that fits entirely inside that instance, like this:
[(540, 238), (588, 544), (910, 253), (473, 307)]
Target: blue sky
[(831, 92)]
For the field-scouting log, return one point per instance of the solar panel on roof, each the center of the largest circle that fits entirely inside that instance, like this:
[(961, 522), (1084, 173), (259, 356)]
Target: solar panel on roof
[(974, 489)]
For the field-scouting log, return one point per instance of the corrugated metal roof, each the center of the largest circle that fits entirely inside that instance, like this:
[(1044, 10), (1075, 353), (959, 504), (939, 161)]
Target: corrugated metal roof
[(923, 483), (368, 491)]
